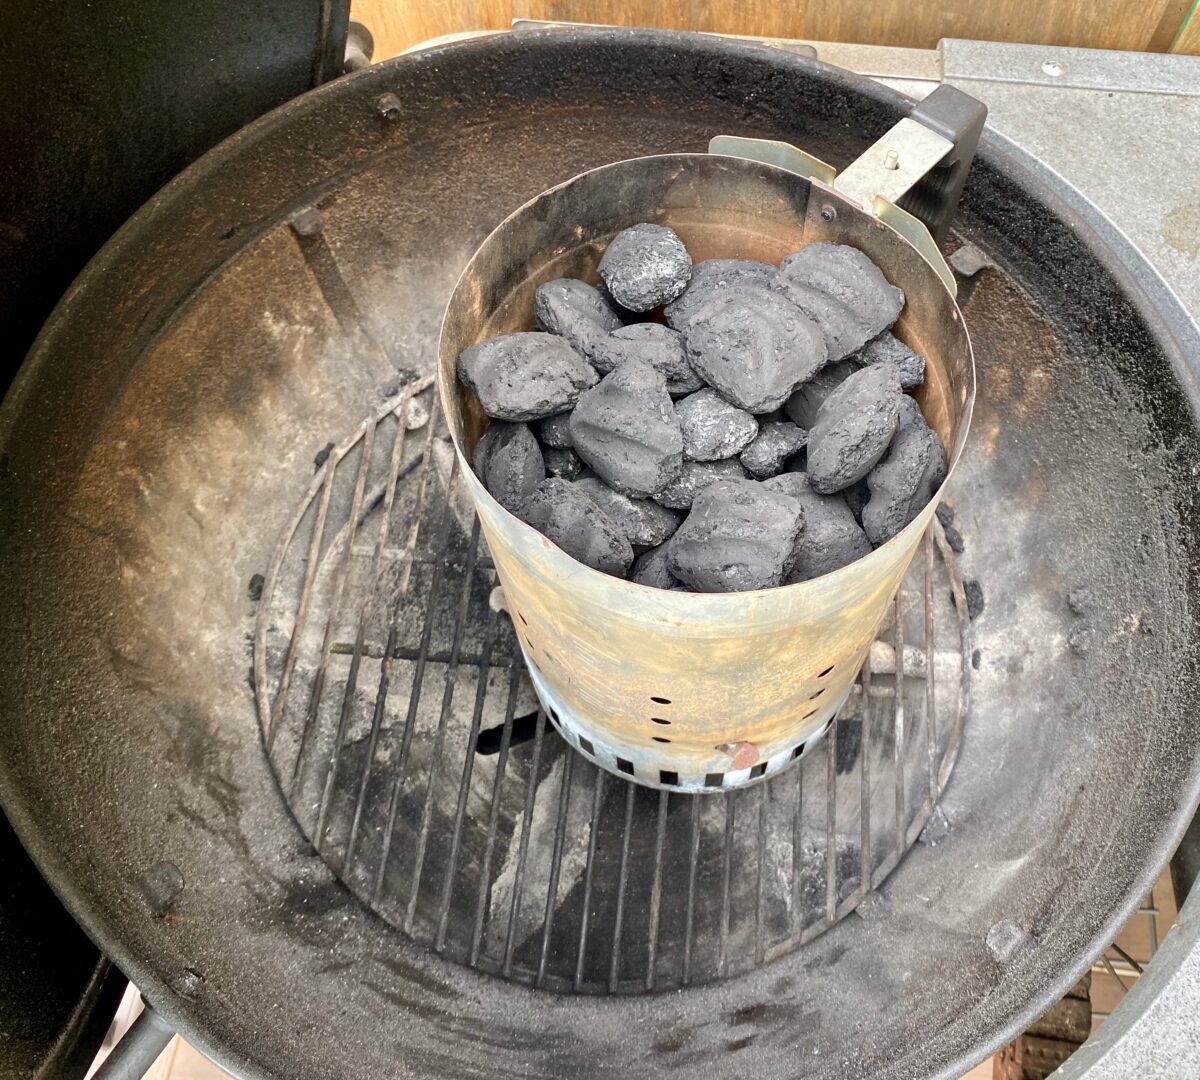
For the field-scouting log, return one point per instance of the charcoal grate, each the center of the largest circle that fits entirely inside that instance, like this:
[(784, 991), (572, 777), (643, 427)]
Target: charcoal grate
[(406, 738)]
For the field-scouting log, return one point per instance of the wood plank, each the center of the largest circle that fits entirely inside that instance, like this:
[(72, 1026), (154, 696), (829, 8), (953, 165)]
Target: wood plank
[(1187, 39), (1102, 24)]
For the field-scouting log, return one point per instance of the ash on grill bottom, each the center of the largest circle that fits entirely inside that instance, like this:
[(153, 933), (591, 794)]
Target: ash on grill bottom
[(406, 738)]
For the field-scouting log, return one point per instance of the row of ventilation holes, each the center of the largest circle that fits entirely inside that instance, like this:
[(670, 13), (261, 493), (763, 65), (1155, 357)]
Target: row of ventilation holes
[(667, 777)]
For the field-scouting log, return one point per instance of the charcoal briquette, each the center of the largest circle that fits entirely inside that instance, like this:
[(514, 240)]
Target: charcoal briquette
[(644, 522), (713, 429), (694, 477), (710, 277), (625, 428), (843, 291), (575, 311), (739, 535), (853, 428), (832, 537), (802, 407), (564, 514), (527, 376), (509, 461), (774, 444), (645, 266), (889, 348), (906, 477), (654, 344), (555, 432), (562, 463), (754, 347), (650, 568)]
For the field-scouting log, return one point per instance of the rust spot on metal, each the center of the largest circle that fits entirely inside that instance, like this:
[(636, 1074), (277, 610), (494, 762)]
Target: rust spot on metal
[(743, 754)]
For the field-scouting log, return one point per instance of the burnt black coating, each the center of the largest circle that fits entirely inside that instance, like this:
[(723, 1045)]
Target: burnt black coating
[(134, 735)]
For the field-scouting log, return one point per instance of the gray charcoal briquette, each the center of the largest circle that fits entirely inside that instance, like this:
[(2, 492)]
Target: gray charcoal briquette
[(754, 347), (650, 568), (566, 516), (832, 538), (694, 477), (775, 443), (843, 291), (626, 429), (802, 407), (853, 428), (555, 432), (713, 429), (889, 348), (562, 463), (645, 266), (906, 477), (509, 461), (654, 344), (644, 522), (739, 535), (710, 277), (525, 376), (857, 495), (575, 311)]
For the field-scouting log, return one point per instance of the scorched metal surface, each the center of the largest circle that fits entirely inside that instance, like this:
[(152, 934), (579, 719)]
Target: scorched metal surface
[(164, 430)]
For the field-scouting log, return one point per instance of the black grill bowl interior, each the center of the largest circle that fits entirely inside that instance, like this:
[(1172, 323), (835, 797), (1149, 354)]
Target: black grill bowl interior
[(164, 430)]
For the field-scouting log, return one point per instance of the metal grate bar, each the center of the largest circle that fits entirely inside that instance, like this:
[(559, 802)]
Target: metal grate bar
[(614, 964), (464, 783), (489, 845), (597, 796), (660, 838), (798, 857), (831, 892), (899, 728), (560, 836), (865, 857), (414, 694), (760, 862), (514, 908), (439, 742), (726, 881), (689, 924), (930, 680), (385, 521)]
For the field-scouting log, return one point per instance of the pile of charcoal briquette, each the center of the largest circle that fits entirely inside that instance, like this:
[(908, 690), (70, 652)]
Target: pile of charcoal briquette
[(760, 437)]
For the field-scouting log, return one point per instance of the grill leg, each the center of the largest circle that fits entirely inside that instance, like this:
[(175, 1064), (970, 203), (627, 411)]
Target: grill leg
[(138, 1049)]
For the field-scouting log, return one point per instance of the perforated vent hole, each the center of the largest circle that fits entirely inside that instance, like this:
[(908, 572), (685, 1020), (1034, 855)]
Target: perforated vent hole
[(814, 697), (822, 674), (522, 618), (714, 779), (758, 770), (659, 738), (665, 776), (798, 751), (658, 720), (586, 746), (660, 700), (625, 766)]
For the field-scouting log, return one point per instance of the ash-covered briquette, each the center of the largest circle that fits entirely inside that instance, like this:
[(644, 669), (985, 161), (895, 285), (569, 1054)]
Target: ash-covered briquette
[(643, 521), (713, 429), (562, 463), (739, 535), (555, 432), (754, 347), (509, 461), (650, 568), (907, 476), (802, 407), (654, 344), (843, 291), (564, 514), (625, 428), (774, 444), (832, 537), (709, 278), (525, 376), (645, 266), (694, 477), (853, 428), (575, 311), (887, 348)]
